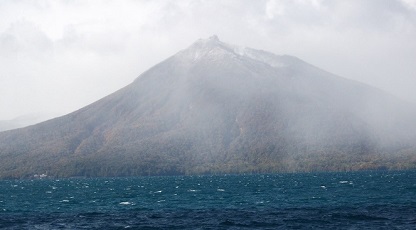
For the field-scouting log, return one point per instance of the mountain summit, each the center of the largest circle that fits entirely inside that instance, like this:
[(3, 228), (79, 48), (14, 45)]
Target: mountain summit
[(219, 108)]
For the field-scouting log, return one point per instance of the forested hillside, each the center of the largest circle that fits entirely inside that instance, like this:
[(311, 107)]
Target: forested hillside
[(217, 108)]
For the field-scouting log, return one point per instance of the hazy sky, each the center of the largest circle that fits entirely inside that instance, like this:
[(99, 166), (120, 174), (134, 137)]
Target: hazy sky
[(58, 56)]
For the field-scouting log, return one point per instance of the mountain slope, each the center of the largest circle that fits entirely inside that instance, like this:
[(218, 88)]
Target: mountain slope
[(216, 108)]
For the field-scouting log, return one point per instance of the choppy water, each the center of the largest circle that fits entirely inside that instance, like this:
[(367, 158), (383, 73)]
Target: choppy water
[(363, 200)]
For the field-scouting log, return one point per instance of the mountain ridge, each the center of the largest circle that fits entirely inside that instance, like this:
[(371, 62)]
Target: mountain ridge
[(219, 108)]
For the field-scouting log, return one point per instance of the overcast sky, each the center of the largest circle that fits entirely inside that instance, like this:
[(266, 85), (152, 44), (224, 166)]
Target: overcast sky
[(58, 56)]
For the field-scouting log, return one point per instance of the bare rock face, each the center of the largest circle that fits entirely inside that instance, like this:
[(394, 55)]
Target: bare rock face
[(219, 108)]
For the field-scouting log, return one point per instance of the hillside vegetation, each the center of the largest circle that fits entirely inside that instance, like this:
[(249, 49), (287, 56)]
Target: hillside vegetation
[(216, 108)]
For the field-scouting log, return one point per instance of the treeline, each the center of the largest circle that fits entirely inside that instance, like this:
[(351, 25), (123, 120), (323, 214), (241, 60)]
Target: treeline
[(120, 164)]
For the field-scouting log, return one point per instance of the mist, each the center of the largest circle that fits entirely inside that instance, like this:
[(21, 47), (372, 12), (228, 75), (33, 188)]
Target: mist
[(207, 114), (59, 56), (215, 107)]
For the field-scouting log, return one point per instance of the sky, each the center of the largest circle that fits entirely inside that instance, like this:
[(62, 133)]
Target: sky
[(57, 56)]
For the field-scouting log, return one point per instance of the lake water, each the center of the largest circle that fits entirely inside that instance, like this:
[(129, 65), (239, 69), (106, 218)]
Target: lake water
[(359, 200)]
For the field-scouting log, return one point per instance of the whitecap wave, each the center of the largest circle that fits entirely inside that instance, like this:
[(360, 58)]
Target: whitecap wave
[(125, 203)]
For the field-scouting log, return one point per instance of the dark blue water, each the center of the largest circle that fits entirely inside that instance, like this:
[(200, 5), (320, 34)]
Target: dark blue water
[(363, 200)]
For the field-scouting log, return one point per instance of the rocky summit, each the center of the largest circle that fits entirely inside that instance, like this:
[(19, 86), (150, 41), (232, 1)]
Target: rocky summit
[(219, 108)]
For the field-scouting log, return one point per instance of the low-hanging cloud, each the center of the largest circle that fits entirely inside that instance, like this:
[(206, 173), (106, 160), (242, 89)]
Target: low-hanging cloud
[(61, 55)]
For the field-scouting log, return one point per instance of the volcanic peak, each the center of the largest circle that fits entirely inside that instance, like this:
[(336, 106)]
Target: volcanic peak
[(215, 49)]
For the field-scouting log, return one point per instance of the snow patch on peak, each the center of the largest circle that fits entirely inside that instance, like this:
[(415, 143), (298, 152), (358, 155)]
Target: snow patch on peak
[(211, 46), (259, 55), (215, 49), (240, 50), (211, 41)]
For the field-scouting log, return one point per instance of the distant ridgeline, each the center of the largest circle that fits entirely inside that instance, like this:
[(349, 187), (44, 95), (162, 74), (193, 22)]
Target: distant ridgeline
[(218, 108)]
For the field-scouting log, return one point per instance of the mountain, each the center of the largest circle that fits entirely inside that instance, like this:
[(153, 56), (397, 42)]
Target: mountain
[(25, 120), (219, 108)]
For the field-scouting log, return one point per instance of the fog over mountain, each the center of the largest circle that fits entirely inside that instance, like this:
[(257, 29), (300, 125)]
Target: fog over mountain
[(219, 108), (23, 121)]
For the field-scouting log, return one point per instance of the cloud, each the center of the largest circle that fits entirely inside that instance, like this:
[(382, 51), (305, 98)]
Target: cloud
[(298, 10), (62, 55), (411, 4), (355, 39), (24, 38)]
